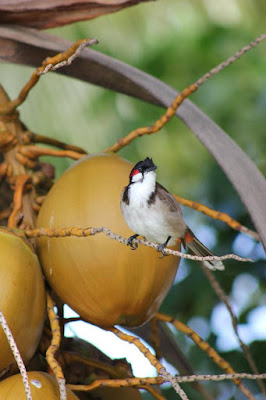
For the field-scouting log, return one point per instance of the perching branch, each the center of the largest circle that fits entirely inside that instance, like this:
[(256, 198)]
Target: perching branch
[(79, 232)]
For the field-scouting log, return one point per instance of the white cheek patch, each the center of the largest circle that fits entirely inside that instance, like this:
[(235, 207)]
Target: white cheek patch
[(137, 177)]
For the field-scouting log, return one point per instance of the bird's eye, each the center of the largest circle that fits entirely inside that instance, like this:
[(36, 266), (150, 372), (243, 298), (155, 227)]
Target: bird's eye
[(140, 169)]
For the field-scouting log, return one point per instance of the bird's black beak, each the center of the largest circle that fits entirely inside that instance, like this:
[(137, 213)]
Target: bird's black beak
[(151, 168)]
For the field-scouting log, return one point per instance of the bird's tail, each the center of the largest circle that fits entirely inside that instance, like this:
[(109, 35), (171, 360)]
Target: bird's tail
[(199, 249)]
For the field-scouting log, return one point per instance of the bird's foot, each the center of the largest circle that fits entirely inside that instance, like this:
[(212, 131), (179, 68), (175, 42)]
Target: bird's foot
[(130, 243), (161, 247)]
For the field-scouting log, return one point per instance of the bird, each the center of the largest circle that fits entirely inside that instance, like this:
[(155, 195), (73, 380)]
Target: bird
[(153, 213)]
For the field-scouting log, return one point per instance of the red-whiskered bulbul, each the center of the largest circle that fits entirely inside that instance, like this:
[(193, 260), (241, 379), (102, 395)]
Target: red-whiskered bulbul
[(152, 212)]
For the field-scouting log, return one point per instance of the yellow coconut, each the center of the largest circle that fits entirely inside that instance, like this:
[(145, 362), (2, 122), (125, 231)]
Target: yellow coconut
[(22, 297), (102, 280), (43, 387)]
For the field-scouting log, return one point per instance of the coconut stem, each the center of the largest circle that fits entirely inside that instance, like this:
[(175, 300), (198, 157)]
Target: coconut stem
[(54, 346), (153, 360), (223, 364)]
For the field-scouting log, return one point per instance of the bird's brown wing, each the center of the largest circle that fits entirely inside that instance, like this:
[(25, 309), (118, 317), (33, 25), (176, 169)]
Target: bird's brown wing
[(168, 199), (172, 211), (174, 218)]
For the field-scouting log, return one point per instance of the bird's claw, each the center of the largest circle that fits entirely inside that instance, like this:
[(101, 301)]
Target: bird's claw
[(160, 249), (130, 243)]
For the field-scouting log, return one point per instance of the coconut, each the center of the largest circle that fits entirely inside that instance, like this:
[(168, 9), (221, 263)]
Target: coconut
[(104, 281), (22, 297), (43, 387)]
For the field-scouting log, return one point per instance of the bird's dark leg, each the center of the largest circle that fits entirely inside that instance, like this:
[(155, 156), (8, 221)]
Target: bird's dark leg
[(161, 247), (130, 242)]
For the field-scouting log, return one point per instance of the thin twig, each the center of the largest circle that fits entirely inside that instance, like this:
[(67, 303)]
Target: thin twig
[(50, 63), (222, 296), (127, 382), (17, 355), (222, 363), (155, 338), (230, 60), (25, 161), (33, 152), (217, 215), (70, 357), (76, 52), (79, 232), (171, 110), (153, 360), (73, 319), (54, 346), (30, 137), (221, 377), (137, 382), (21, 181)]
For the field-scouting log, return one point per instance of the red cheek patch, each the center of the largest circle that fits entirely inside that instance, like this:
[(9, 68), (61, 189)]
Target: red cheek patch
[(135, 172)]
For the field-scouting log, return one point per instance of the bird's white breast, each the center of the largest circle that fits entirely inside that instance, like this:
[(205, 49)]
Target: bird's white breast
[(143, 218)]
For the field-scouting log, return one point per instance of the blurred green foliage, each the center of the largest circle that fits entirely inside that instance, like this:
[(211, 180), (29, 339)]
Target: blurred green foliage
[(177, 41)]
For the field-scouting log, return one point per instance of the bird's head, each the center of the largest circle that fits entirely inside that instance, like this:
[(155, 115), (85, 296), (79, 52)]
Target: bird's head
[(141, 170)]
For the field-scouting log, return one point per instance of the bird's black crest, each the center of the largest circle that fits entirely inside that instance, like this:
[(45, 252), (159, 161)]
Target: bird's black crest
[(143, 166)]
